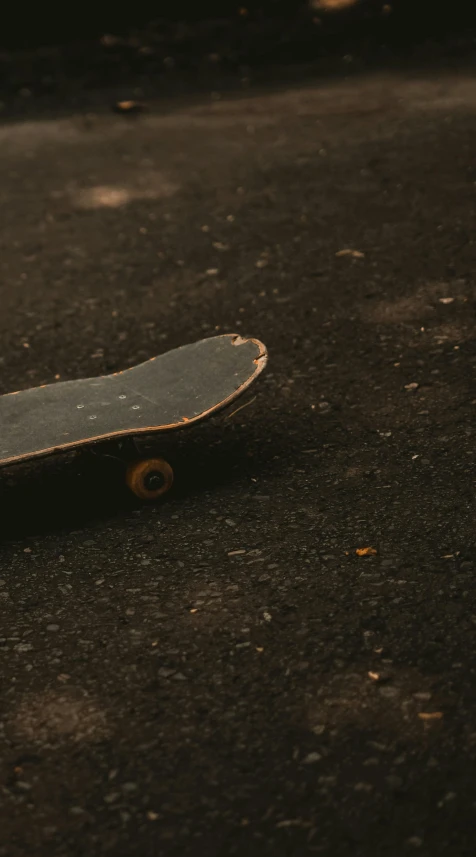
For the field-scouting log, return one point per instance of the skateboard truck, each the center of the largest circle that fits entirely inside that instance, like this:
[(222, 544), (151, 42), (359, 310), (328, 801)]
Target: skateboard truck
[(147, 478)]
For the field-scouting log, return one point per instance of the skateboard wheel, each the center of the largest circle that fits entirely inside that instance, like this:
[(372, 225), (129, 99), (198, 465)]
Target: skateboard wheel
[(149, 478)]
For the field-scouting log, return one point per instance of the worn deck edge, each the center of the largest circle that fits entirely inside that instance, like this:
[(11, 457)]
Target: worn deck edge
[(260, 362)]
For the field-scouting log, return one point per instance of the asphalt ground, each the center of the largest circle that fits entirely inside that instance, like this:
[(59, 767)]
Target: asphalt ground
[(221, 673)]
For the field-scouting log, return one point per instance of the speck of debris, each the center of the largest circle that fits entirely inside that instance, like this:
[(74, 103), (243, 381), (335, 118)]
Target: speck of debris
[(129, 108), (356, 254), (430, 715), (367, 551)]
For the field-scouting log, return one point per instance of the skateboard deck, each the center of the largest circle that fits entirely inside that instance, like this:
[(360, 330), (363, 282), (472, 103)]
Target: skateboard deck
[(168, 392)]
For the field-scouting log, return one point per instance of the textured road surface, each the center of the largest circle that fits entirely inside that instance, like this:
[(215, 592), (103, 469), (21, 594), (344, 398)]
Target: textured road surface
[(223, 674)]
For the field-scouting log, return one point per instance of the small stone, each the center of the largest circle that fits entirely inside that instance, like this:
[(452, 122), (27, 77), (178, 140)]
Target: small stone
[(311, 758), (382, 676), (164, 672), (389, 692), (449, 796), (318, 729), (129, 787), (412, 386), (363, 787), (111, 797), (415, 841), (377, 745), (52, 627), (23, 647)]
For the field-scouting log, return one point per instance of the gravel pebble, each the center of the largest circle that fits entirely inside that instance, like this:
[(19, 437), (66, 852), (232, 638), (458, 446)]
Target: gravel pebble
[(311, 758)]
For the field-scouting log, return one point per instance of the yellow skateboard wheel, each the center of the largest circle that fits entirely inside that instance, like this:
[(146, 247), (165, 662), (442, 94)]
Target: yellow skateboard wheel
[(149, 478)]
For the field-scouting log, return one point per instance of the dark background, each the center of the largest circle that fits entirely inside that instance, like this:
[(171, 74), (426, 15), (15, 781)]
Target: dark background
[(407, 20), (39, 46)]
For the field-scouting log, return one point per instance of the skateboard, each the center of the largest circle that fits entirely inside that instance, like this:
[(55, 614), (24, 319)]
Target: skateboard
[(172, 391)]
